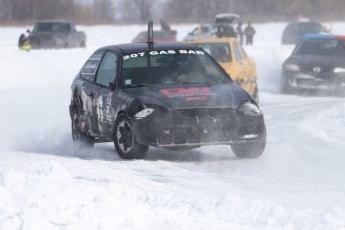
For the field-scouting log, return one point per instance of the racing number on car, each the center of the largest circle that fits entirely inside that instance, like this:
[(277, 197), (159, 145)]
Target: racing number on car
[(141, 54)]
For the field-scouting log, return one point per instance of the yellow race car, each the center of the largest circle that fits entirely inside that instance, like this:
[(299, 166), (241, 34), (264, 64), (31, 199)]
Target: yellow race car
[(229, 53)]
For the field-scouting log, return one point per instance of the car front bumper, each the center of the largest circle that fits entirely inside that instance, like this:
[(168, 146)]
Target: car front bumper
[(309, 80), (193, 127)]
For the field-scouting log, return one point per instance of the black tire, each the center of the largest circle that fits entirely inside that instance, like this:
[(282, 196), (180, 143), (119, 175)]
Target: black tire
[(79, 138), (284, 88), (124, 140), (250, 150), (82, 44)]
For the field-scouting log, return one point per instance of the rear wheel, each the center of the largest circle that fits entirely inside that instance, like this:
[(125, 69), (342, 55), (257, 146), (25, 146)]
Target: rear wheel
[(78, 136), (250, 149), (82, 44), (125, 142), (284, 88)]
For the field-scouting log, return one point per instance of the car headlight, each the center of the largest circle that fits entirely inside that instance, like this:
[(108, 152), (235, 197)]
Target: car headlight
[(249, 109), (339, 70), (292, 67)]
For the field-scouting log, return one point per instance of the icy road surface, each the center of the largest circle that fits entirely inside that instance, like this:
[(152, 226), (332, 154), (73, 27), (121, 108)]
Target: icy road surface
[(298, 183)]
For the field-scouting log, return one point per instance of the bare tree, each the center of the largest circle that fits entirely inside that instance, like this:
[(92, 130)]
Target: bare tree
[(136, 10), (5, 10), (104, 10)]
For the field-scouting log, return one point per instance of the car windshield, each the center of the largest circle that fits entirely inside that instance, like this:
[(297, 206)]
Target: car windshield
[(310, 28), (170, 67), (51, 27), (219, 51), (321, 47)]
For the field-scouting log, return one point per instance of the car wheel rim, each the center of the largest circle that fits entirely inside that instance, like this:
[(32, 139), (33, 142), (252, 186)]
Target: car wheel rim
[(124, 136)]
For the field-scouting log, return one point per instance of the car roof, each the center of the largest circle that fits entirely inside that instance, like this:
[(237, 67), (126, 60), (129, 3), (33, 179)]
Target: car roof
[(53, 21), (144, 47), (305, 22), (323, 36), (225, 18)]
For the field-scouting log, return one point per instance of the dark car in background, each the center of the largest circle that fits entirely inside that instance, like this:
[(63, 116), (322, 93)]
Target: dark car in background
[(294, 31), (317, 63), (168, 95), (56, 34)]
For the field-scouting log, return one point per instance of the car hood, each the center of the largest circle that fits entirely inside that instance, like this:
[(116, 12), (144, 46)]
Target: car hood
[(313, 60), (183, 96)]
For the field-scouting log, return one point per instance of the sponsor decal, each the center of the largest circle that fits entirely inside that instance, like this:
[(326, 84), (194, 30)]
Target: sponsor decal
[(162, 52), (186, 92), (96, 57), (90, 67), (197, 98)]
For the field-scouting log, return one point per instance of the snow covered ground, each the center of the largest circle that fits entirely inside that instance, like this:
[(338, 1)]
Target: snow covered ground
[(45, 183)]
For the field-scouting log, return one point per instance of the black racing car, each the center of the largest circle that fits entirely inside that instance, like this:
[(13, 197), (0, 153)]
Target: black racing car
[(316, 64), (169, 95)]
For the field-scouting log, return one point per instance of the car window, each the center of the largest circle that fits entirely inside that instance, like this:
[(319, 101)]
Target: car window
[(321, 47), (243, 52), (219, 51), (166, 66), (89, 69), (236, 51), (107, 69), (51, 27)]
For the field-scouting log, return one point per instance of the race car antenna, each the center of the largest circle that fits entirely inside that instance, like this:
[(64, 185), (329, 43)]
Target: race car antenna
[(150, 34)]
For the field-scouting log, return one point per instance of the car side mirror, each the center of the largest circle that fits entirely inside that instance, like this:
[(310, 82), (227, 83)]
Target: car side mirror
[(112, 85)]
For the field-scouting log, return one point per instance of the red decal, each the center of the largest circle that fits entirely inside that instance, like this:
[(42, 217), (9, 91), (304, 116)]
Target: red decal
[(176, 92)]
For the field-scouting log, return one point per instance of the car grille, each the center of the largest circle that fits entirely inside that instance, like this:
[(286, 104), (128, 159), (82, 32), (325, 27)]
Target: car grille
[(198, 126), (323, 68)]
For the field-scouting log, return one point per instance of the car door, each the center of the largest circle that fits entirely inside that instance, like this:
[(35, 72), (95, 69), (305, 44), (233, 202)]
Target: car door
[(106, 74), (237, 63), (249, 71), (88, 89)]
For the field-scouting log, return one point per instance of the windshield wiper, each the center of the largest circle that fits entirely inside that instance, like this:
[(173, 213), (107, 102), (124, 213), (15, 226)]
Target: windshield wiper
[(135, 86), (191, 82)]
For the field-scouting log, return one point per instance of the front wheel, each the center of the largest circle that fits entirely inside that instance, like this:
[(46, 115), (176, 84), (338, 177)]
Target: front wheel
[(125, 142), (78, 136), (250, 149)]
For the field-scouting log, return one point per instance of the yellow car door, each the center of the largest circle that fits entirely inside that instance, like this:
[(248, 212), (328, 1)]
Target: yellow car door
[(249, 73), (238, 65)]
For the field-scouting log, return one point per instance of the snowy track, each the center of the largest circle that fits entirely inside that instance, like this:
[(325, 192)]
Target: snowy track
[(45, 183)]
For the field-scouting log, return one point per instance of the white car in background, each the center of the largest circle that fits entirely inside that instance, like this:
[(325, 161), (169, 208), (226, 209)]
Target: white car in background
[(222, 25)]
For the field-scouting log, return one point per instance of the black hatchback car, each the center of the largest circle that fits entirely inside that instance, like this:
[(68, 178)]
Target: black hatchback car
[(316, 64), (294, 31), (169, 95)]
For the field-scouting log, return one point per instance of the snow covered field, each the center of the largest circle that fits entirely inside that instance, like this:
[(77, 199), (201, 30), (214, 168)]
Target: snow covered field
[(45, 183)]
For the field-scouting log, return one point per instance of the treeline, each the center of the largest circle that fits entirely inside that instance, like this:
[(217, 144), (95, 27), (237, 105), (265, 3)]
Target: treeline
[(140, 11), (90, 12)]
